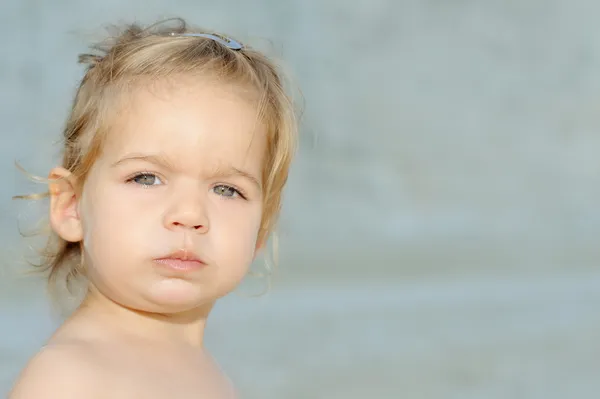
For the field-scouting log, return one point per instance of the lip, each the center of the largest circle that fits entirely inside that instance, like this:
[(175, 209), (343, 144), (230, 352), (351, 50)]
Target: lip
[(181, 260)]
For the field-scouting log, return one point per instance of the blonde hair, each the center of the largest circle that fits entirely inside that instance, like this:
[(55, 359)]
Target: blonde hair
[(134, 55)]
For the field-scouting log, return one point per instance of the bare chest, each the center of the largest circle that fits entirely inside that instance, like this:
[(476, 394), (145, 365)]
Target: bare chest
[(160, 378)]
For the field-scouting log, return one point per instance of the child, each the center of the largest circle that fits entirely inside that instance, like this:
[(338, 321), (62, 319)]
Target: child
[(175, 156)]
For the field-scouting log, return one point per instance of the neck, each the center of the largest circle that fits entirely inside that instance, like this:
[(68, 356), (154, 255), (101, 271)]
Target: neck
[(111, 318)]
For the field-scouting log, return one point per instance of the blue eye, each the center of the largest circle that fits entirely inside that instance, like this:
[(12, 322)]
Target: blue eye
[(226, 191), (146, 179)]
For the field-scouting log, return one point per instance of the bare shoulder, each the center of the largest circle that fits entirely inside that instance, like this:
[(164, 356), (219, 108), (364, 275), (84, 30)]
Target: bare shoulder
[(59, 371)]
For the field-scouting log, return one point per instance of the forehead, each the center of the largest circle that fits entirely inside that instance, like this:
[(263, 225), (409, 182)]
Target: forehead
[(195, 123)]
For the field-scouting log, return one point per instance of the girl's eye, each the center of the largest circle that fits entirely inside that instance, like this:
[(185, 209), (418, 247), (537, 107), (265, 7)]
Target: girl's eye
[(226, 191), (146, 179)]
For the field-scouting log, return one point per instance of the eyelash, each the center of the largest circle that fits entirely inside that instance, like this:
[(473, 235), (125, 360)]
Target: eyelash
[(132, 178), (235, 189)]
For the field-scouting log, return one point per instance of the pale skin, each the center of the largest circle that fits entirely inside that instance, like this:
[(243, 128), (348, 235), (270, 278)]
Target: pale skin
[(181, 170)]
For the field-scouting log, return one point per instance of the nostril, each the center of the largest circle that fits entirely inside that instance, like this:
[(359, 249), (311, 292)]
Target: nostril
[(184, 225)]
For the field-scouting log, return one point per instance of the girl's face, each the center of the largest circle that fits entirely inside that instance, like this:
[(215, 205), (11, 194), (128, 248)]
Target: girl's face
[(179, 178)]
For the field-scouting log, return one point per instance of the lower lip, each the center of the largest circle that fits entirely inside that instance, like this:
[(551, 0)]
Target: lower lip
[(181, 265)]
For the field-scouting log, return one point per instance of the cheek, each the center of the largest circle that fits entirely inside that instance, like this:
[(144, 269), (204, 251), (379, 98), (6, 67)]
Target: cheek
[(104, 218), (235, 235), (88, 220), (98, 237)]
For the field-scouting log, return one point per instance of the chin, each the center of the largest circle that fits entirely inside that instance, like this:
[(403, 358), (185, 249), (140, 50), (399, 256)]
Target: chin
[(178, 297)]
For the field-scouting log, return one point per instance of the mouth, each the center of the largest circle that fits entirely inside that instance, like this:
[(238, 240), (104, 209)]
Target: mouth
[(181, 260)]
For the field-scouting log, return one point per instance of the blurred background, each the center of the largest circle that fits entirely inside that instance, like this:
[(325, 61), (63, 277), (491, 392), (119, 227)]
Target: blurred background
[(439, 235)]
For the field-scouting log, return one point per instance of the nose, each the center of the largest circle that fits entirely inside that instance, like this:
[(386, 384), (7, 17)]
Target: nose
[(187, 211)]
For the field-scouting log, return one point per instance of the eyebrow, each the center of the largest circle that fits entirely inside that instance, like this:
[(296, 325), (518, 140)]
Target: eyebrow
[(161, 160), (155, 159), (227, 171)]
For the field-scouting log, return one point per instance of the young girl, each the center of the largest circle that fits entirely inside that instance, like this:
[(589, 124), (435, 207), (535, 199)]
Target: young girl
[(175, 156)]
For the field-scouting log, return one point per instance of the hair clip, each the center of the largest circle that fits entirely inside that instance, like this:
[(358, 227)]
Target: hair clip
[(225, 41)]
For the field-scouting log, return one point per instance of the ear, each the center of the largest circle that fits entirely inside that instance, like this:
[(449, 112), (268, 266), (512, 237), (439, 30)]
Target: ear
[(263, 239), (64, 213), (260, 246), (258, 250)]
